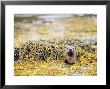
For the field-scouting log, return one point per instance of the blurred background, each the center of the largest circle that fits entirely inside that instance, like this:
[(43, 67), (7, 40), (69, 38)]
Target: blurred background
[(55, 27)]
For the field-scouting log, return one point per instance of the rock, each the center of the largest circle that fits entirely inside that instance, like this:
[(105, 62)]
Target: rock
[(16, 54)]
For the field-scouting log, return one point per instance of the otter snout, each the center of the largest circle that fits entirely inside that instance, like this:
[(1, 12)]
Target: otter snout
[(70, 49)]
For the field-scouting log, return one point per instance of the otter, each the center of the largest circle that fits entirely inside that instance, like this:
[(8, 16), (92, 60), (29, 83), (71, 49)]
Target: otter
[(70, 56)]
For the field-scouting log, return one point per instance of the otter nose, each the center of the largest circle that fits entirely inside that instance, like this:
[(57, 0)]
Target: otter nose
[(70, 49)]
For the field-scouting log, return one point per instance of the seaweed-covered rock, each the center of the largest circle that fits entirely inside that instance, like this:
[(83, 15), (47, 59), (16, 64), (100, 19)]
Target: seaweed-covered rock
[(43, 50), (16, 54)]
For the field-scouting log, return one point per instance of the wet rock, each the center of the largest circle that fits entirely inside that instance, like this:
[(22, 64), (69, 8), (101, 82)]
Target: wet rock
[(16, 54)]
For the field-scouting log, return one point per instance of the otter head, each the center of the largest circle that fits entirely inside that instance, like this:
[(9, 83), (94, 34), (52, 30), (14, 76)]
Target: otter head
[(70, 50)]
